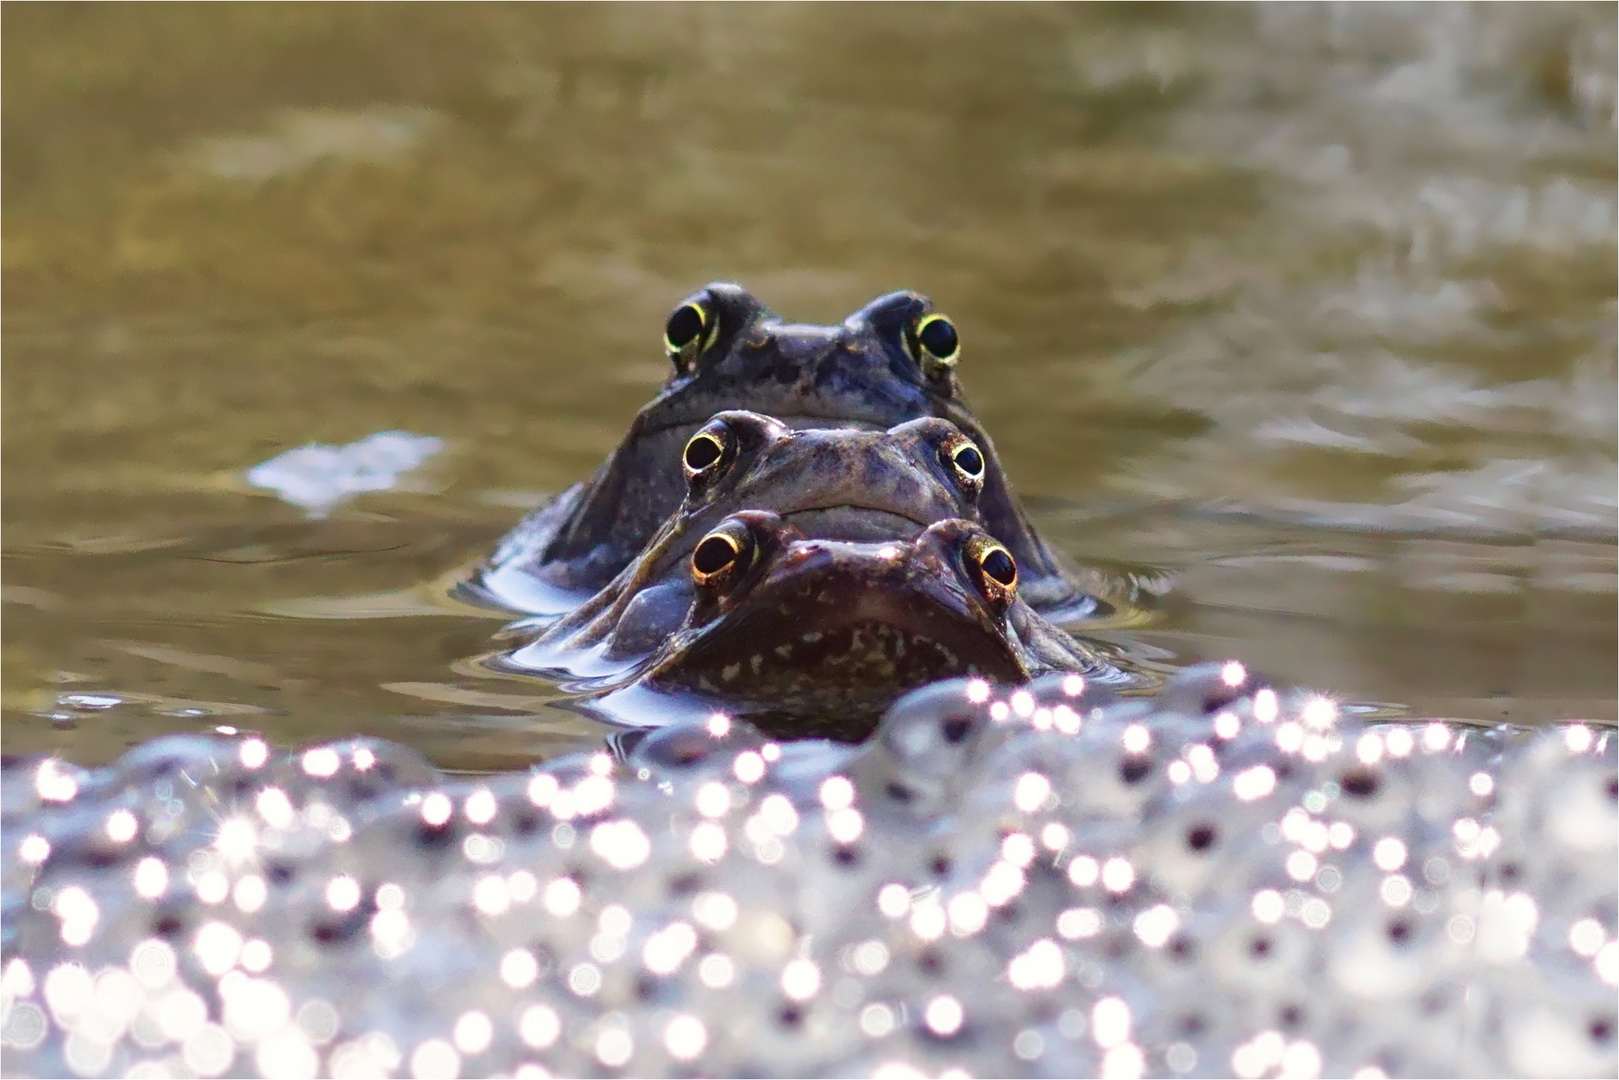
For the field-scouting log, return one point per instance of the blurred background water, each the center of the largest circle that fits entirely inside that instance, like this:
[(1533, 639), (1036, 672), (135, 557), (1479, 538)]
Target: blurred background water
[(1306, 312)]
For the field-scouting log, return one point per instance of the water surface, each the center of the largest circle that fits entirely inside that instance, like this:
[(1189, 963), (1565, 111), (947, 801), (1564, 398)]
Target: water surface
[(1304, 313)]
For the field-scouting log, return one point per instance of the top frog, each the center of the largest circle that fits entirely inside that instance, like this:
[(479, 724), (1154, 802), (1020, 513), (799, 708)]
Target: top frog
[(892, 361)]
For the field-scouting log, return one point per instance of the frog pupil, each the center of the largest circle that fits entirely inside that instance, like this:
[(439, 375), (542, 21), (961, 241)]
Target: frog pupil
[(970, 461), (939, 338), (998, 565), (702, 452), (714, 555), (684, 326)]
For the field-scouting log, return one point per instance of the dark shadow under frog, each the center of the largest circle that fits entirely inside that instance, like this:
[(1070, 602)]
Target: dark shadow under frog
[(890, 362)]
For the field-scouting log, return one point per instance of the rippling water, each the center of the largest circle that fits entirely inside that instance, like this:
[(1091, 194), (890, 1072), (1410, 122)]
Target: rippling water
[(1306, 313)]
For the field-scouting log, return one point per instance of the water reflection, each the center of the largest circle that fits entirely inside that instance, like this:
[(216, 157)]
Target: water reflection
[(1307, 308)]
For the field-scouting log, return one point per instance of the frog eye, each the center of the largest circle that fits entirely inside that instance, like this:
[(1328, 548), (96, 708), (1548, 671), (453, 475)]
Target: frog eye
[(966, 461), (690, 329), (702, 451), (993, 570), (722, 556), (935, 345), (707, 453)]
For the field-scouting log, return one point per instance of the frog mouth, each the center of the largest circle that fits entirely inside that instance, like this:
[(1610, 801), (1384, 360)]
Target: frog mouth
[(850, 521)]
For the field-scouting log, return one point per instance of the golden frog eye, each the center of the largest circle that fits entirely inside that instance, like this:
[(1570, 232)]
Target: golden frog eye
[(722, 555), (708, 454), (966, 460), (689, 330), (703, 451), (935, 344), (993, 569)]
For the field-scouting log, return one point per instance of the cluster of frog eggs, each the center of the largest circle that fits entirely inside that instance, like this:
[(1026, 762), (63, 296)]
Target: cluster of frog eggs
[(1217, 881)]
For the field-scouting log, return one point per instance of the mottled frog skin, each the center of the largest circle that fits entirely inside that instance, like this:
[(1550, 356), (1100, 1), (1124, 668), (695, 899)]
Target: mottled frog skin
[(829, 483), (815, 637), (890, 362)]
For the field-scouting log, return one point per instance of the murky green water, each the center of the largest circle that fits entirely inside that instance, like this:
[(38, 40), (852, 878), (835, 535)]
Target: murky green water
[(1306, 311)]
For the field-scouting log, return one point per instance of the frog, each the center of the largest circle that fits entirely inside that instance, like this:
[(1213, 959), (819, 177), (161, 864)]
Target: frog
[(892, 361), (808, 637), (832, 483)]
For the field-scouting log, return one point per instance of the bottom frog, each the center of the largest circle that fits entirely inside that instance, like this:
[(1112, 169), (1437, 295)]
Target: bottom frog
[(809, 637)]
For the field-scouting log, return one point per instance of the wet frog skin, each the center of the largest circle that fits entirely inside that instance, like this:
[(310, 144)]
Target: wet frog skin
[(809, 637), (892, 361), (828, 483)]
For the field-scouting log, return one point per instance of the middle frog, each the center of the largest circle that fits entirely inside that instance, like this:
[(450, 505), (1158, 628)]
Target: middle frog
[(891, 513)]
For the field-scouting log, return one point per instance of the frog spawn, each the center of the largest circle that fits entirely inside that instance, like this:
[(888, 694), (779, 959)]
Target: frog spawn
[(1218, 881)]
